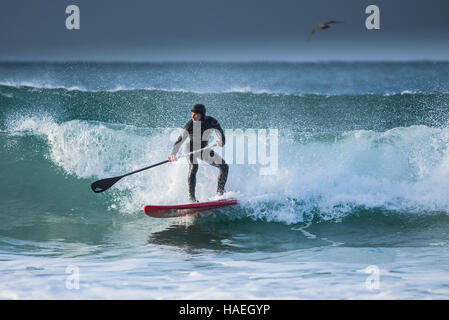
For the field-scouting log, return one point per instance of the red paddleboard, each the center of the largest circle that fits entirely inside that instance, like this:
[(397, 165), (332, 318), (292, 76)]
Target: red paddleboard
[(186, 209)]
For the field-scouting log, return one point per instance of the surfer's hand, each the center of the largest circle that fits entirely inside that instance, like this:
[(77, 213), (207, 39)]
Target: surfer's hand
[(219, 143), (172, 158)]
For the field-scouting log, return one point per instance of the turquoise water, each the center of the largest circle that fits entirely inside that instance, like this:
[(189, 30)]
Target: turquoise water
[(361, 182)]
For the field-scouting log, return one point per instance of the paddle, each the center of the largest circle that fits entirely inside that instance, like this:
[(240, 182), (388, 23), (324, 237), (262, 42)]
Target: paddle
[(105, 184)]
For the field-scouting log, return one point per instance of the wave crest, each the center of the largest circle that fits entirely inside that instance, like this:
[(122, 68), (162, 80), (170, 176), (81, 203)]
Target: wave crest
[(403, 170)]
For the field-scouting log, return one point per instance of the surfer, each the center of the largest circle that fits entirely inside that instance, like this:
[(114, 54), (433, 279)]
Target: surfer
[(198, 130)]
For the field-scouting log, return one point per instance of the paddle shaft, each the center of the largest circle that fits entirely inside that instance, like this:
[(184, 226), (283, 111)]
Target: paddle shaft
[(146, 168), (162, 162), (104, 184)]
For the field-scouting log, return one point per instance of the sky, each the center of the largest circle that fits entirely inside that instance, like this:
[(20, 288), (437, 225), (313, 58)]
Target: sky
[(222, 30)]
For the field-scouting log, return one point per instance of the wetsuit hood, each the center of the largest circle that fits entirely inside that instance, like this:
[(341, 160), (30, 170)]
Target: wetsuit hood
[(201, 109)]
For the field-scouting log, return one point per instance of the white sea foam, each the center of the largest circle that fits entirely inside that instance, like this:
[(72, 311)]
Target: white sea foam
[(248, 90), (35, 84), (39, 84), (162, 272), (403, 169)]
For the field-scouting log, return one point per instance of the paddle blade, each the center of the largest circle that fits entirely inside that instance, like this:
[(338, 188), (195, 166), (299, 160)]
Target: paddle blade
[(104, 184)]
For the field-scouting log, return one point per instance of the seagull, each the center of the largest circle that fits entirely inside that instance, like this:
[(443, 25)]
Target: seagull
[(322, 25)]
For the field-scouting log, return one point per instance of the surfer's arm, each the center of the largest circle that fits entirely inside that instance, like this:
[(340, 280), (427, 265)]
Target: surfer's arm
[(179, 143), (182, 137)]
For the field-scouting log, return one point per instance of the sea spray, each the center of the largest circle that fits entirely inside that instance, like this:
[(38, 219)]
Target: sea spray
[(402, 169), (361, 181)]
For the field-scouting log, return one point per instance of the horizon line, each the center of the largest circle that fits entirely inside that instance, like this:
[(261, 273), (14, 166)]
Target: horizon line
[(6, 61)]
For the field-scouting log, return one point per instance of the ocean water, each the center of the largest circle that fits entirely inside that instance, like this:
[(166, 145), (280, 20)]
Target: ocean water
[(357, 206)]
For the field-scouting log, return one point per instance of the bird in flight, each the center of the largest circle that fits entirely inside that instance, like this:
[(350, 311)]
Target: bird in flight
[(322, 25)]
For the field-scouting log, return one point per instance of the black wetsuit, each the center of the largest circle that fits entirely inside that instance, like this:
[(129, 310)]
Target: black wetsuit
[(199, 134)]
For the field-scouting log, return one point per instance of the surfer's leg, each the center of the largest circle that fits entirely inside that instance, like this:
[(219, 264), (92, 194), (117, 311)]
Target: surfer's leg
[(222, 178), (223, 175), (193, 169)]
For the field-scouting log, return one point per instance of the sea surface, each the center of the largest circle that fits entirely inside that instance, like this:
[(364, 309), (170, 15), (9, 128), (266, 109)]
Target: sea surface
[(355, 204)]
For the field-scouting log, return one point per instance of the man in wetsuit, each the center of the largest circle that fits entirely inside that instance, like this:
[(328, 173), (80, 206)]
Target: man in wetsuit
[(198, 130)]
